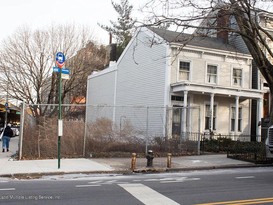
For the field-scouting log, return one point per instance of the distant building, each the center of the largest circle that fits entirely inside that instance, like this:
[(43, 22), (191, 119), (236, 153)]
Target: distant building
[(13, 113)]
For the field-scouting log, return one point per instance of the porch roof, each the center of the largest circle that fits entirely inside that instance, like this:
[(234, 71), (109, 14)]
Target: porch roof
[(217, 90)]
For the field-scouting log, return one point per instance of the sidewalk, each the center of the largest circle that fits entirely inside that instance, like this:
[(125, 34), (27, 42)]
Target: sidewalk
[(10, 167)]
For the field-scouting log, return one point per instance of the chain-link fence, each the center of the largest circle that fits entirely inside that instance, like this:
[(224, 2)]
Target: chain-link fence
[(102, 130), (39, 131), (112, 131)]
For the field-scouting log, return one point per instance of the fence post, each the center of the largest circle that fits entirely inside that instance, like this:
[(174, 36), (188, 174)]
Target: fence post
[(133, 162), (147, 126), (199, 130), (169, 160), (22, 121), (85, 130)]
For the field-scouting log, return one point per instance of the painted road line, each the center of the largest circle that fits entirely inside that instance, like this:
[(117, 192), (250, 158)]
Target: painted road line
[(109, 182), (8, 189), (242, 202), (95, 182), (87, 185), (147, 195), (246, 177), (179, 180), (167, 179), (150, 180)]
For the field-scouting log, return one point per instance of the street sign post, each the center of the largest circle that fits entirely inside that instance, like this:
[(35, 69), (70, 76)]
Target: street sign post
[(60, 59)]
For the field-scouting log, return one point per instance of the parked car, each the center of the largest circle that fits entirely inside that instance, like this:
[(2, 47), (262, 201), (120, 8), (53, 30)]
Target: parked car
[(15, 130)]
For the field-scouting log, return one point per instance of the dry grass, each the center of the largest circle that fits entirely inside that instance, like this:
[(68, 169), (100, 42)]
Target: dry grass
[(103, 139), (41, 140)]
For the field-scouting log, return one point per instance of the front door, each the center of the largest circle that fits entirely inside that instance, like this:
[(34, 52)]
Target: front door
[(176, 122)]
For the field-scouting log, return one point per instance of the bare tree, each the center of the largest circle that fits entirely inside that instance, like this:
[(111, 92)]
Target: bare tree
[(249, 20), (27, 59)]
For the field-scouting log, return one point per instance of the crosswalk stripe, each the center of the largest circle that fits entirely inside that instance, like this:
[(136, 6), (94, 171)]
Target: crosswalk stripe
[(245, 177), (8, 189), (147, 195)]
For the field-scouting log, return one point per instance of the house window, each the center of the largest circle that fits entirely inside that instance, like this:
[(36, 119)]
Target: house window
[(211, 74), (233, 119), (177, 98), (237, 77), (184, 70), (207, 117)]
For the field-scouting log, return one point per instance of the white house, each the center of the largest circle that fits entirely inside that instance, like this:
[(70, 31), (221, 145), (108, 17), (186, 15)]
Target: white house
[(167, 84)]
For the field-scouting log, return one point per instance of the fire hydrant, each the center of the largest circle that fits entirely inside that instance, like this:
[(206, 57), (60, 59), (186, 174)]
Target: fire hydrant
[(150, 157)]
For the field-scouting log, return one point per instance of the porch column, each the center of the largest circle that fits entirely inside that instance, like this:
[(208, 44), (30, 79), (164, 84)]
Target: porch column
[(185, 104), (236, 116), (211, 111), (259, 118)]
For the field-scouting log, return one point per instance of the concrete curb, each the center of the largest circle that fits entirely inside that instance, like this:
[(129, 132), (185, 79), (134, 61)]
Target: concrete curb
[(130, 172)]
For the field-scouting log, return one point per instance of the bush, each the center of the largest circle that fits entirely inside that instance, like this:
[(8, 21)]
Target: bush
[(221, 144), (40, 139), (248, 151)]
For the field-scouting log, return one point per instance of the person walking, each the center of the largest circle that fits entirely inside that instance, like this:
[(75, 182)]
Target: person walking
[(8, 133)]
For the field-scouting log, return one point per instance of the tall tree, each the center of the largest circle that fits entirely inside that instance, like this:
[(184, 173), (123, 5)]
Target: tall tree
[(250, 20), (123, 28), (27, 59)]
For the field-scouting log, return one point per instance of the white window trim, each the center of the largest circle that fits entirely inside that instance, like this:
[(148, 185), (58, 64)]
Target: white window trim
[(232, 83), (178, 70), (206, 73), (230, 115)]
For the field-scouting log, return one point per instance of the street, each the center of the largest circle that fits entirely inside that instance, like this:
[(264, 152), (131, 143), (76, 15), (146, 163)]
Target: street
[(229, 186)]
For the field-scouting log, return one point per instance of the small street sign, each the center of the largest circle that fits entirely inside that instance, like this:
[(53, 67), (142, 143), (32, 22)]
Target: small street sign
[(65, 76), (64, 70), (60, 59), (6, 105), (56, 69)]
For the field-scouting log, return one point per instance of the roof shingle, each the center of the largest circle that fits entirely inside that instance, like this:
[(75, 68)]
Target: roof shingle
[(190, 39)]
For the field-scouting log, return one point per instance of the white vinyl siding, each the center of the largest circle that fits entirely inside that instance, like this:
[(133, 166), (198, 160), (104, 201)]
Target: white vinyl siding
[(100, 96), (101, 88), (141, 75), (141, 83)]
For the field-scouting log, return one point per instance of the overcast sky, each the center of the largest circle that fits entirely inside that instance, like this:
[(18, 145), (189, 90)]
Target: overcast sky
[(42, 13)]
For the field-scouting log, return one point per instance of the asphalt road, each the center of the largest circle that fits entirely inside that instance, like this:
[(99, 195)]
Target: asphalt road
[(230, 186)]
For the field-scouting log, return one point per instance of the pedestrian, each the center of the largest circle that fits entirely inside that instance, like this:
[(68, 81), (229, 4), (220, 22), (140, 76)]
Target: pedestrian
[(8, 133)]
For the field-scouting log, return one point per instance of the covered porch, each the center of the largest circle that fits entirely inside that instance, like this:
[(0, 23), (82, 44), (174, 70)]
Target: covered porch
[(208, 93)]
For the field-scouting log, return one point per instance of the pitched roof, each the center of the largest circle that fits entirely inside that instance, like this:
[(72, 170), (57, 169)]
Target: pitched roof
[(190, 39)]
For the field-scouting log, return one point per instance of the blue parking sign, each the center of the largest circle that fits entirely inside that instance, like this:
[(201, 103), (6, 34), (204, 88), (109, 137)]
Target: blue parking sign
[(60, 58)]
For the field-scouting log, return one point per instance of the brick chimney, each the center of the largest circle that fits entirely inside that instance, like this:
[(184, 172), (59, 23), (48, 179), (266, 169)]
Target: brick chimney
[(112, 49)]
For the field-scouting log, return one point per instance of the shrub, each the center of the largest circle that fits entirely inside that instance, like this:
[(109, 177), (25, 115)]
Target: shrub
[(221, 144), (40, 139), (248, 151)]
